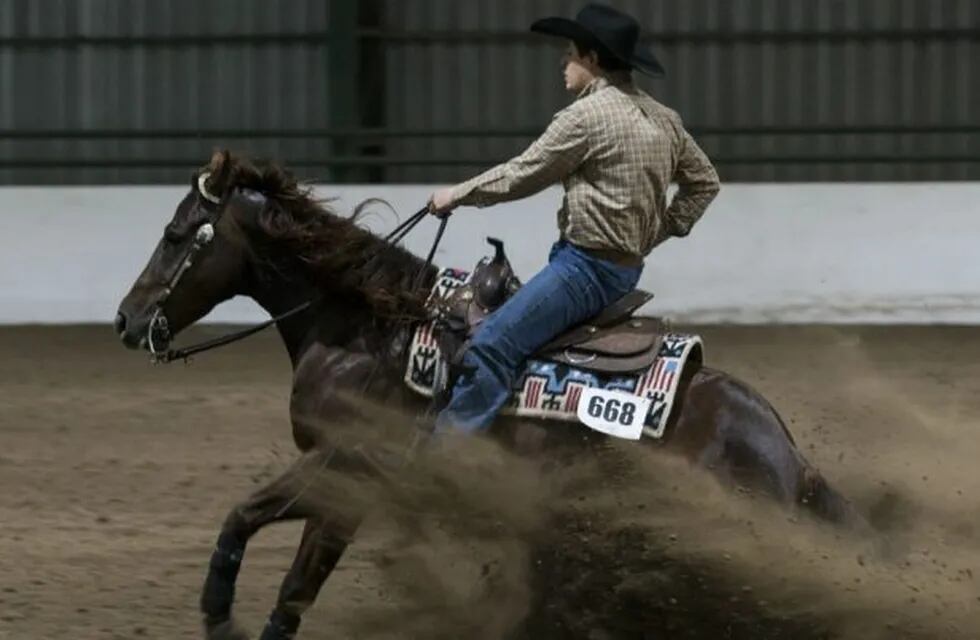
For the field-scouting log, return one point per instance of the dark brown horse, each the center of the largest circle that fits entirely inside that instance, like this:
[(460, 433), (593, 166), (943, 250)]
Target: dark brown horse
[(245, 229)]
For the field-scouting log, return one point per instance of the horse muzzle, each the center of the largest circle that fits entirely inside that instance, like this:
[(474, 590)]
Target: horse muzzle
[(152, 335)]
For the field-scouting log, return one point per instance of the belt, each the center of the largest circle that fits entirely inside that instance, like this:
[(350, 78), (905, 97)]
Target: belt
[(619, 258)]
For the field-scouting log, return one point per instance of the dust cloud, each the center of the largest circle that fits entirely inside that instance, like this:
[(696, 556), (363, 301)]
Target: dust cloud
[(623, 541)]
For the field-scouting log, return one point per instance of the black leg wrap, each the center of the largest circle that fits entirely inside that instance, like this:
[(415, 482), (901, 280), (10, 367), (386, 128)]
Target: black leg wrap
[(281, 626), (219, 587)]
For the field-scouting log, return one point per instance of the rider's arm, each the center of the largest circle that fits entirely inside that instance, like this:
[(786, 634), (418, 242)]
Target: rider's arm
[(698, 182), (554, 155)]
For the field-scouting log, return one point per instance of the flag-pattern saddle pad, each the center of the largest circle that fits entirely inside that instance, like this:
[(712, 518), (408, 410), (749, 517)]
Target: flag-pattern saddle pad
[(550, 390)]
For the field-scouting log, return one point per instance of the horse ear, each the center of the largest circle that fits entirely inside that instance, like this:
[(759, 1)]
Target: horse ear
[(220, 168)]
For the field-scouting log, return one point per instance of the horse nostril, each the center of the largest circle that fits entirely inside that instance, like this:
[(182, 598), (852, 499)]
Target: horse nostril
[(120, 324)]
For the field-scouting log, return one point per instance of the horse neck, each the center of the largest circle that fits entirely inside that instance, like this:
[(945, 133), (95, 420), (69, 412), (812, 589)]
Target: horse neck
[(336, 323), (278, 295)]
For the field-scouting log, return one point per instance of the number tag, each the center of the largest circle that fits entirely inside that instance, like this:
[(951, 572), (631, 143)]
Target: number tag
[(614, 413)]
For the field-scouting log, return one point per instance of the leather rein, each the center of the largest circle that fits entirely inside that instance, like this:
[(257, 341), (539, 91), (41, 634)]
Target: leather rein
[(203, 237)]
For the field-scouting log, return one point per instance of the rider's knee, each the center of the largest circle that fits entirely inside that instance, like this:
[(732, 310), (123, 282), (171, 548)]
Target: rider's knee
[(487, 357)]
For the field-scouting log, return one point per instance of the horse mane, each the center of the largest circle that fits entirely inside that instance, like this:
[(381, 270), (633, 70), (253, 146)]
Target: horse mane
[(335, 250)]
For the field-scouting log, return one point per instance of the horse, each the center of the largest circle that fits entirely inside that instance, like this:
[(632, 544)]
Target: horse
[(344, 299)]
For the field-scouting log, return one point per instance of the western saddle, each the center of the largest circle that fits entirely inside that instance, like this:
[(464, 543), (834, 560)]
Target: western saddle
[(613, 342)]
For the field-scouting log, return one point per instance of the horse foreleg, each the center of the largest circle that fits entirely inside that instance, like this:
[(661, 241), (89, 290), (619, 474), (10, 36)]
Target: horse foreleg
[(322, 545), (276, 502)]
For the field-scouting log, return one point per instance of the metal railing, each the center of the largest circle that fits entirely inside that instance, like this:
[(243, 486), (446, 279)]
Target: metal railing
[(381, 161)]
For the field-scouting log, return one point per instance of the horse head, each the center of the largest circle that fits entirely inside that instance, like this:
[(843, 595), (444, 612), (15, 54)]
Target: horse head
[(200, 261)]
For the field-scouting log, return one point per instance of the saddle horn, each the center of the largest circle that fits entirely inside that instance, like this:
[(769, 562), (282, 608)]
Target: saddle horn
[(493, 278)]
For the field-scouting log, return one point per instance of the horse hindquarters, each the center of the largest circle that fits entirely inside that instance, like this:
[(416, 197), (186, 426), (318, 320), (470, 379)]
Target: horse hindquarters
[(731, 429)]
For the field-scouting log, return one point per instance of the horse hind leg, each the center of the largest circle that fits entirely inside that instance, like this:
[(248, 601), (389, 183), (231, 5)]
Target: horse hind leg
[(825, 503), (276, 502), (781, 470), (814, 494), (768, 459), (750, 446)]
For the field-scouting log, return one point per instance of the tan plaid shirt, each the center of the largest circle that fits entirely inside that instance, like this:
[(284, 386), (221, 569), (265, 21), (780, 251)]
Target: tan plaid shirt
[(615, 150)]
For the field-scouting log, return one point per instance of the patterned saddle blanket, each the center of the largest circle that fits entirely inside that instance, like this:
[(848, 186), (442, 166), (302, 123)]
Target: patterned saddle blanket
[(627, 404)]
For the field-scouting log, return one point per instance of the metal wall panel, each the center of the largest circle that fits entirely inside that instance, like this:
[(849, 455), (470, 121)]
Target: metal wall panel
[(810, 65), (763, 83), (130, 73)]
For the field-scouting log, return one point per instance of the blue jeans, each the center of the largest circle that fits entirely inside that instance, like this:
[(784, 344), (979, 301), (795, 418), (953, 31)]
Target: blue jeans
[(572, 288)]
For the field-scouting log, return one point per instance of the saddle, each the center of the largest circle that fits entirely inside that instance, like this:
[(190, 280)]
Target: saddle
[(613, 342)]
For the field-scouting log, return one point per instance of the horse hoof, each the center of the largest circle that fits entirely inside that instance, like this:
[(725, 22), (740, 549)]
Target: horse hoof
[(227, 630)]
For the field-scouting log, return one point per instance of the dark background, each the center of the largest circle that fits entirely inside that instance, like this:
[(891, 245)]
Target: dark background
[(140, 91)]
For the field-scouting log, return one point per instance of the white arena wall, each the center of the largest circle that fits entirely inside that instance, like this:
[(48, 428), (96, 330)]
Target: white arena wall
[(780, 253)]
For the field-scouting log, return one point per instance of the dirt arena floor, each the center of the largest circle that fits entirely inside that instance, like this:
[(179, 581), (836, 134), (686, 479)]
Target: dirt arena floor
[(116, 476)]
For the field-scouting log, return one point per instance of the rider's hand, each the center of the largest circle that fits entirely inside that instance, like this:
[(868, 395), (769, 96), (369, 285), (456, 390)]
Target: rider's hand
[(441, 202)]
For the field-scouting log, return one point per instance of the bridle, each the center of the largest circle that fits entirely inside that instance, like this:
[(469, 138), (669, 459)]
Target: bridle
[(159, 329)]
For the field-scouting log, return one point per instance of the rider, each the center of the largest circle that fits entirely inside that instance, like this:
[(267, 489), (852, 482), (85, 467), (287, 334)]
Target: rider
[(615, 150)]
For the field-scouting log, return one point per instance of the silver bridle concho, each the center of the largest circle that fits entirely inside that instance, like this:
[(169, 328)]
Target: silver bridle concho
[(158, 327), (202, 188)]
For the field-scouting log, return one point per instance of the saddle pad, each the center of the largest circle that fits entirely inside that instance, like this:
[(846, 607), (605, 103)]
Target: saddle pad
[(550, 390)]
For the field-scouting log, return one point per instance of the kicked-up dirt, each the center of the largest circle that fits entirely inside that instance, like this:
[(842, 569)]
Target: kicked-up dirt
[(116, 476)]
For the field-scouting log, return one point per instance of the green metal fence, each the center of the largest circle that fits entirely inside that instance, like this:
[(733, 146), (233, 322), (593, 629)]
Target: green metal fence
[(353, 91)]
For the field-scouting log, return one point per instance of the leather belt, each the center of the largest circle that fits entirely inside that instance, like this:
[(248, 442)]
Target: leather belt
[(619, 258)]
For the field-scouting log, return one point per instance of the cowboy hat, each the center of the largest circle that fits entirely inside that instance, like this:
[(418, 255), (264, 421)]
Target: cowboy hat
[(617, 33)]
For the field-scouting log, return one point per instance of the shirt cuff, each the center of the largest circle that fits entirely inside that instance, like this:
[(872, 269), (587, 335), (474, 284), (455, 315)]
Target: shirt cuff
[(482, 190), (460, 191)]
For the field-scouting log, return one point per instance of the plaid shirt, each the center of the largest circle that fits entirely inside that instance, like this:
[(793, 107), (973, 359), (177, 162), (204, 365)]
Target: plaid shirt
[(615, 150)]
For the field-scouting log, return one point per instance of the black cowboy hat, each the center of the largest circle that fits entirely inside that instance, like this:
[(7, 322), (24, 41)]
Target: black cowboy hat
[(612, 30)]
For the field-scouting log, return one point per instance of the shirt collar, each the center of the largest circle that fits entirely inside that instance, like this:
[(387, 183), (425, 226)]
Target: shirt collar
[(614, 79)]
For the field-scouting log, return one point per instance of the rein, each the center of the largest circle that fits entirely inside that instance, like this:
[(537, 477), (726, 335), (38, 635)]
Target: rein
[(204, 236)]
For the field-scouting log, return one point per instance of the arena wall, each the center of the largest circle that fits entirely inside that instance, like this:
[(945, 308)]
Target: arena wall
[(814, 253)]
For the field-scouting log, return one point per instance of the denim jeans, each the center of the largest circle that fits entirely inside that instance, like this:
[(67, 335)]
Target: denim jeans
[(572, 288)]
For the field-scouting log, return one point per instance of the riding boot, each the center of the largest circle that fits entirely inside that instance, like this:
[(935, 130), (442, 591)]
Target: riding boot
[(281, 626)]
